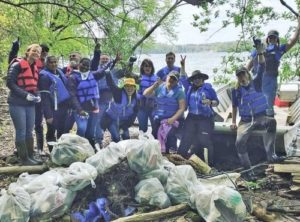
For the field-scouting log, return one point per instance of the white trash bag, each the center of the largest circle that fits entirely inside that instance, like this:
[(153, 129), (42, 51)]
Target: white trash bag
[(150, 191), (71, 148), (218, 203), (51, 202), (107, 158), (144, 156), (162, 173), (180, 181), (79, 175), (40, 182), (14, 204)]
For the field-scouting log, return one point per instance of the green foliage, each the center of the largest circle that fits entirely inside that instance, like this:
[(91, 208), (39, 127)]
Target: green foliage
[(76, 25), (250, 16)]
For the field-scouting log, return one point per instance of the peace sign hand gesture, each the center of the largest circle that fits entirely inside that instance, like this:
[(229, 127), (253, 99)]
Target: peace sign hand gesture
[(182, 61)]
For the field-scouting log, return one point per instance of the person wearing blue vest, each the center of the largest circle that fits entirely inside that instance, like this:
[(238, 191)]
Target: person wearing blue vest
[(146, 104), (83, 88), (273, 53), (170, 106), (122, 111), (55, 99), (170, 60), (98, 61), (199, 123), (252, 106)]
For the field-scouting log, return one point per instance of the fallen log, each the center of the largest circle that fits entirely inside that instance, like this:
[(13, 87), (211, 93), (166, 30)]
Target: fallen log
[(170, 211), (23, 169)]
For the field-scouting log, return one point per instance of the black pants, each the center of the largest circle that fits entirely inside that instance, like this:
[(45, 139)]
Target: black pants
[(197, 131), (172, 136), (58, 126), (38, 126)]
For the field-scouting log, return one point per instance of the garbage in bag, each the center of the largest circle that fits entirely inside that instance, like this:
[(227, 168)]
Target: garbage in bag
[(97, 210), (14, 204), (292, 141), (144, 156), (145, 135), (162, 173), (218, 203), (150, 191), (51, 202), (106, 158), (179, 183), (26, 178), (40, 182), (71, 148), (78, 175)]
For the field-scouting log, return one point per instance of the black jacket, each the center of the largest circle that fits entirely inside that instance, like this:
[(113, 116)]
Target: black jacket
[(17, 95)]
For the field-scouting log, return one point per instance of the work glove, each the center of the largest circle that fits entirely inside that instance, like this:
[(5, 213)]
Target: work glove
[(83, 114), (32, 98), (16, 45), (260, 48)]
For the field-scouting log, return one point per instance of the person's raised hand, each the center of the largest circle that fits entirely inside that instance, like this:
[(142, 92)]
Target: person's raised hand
[(182, 60)]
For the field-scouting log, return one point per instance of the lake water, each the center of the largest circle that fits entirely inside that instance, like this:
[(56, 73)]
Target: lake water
[(203, 61)]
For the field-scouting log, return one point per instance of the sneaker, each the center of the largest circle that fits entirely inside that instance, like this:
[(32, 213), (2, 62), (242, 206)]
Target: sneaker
[(277, 159)]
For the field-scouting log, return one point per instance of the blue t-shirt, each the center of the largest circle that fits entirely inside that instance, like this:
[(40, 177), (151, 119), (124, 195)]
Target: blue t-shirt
[(162, 73)]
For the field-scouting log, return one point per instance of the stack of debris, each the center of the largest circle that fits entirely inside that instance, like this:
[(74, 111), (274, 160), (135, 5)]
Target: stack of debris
[(290, 166)]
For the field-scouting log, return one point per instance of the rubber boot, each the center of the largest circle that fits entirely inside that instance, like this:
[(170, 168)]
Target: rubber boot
[(29, 145), (39, 141), (23, 154)]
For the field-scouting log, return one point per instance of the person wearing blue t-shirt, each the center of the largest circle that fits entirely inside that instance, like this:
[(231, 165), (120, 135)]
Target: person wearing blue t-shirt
[(170, 60), (273, 53)]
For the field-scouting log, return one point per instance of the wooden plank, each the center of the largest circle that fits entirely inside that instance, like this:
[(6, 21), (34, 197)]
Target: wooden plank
[(287, 168), (155, 215)]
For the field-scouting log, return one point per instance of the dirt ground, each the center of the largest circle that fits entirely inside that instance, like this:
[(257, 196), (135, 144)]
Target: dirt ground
[(263, 194)]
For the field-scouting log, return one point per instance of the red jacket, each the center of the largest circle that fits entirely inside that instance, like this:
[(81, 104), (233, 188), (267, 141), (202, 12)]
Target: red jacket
[(26, 79)]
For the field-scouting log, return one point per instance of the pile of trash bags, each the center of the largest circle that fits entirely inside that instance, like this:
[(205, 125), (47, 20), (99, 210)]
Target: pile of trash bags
[(162, 184)]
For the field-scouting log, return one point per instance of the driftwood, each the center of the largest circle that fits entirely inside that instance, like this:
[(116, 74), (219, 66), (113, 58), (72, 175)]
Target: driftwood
[(170, 211), (23, 169)]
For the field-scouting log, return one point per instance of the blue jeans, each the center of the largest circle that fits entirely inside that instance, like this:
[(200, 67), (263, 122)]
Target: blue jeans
[(269, 88), (114, 130), (86, 126), (99, 131), (143, 116), (23, 118)]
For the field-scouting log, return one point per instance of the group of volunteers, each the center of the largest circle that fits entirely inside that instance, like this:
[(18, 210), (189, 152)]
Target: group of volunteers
[(92, 95)]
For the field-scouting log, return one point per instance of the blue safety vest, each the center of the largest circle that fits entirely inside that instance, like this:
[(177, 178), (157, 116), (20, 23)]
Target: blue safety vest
[(86, 89), (121, 110), (166, 104), (145, 82), (58, 85), (272, 57), (250, 102), (194, 100)]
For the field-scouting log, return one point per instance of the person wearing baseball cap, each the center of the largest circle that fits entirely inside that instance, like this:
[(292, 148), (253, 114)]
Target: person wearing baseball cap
[(273, 53), (122, 111), (170, 106), (252, 106), (199, 123)]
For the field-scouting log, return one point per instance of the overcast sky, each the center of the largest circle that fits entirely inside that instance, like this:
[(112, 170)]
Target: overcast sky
[(188, 34)]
